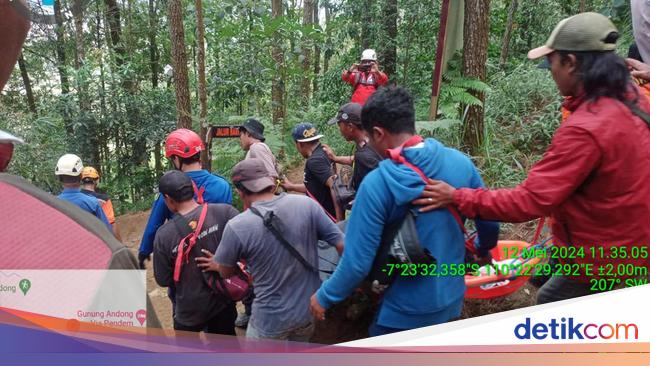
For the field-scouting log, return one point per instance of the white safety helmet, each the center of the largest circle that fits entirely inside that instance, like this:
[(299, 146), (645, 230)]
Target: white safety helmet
[(69, 164), (369, 54)]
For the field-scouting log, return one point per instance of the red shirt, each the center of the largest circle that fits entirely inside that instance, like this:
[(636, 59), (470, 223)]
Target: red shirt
[(364, 83), (593, 180)]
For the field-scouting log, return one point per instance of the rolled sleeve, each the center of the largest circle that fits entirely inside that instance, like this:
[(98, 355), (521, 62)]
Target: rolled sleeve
[(321, 169), (229, 249)]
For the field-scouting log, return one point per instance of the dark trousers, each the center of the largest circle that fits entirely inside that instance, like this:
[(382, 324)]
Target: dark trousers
[(222, 323), (559, 288), (248, 302)]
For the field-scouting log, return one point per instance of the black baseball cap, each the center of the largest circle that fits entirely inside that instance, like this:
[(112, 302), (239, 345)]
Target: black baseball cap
[(176, 185), (350, 112), (305, 132), (252, 174), (254, 127)]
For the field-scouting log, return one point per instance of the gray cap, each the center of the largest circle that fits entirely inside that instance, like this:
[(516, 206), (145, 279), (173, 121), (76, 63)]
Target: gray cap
[(350, 112), (252, 174), (581, 33)]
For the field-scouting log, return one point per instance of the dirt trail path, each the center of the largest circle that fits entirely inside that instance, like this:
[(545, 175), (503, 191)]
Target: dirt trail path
[(131, 227), (345, 322)]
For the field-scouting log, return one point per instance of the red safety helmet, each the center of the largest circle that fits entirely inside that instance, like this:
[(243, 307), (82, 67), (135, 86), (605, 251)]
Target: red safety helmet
[(183, 143)]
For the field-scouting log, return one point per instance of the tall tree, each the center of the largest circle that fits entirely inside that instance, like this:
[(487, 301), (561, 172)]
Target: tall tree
[(154, 64), (476, 29), (153, 47), (88, 130), (316, 49), (277, 84), (115, 30), (31, 101), (408, 46), (307, 22), (328, 37), (99, 15), (203, 93), (505, 43), (179, 64), (366, 24), (61, 64), (77, 14), (389, 52)]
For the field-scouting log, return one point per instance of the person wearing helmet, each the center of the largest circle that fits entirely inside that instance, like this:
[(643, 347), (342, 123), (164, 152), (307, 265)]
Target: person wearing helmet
[(68, 170), (89, 181), (7, 142), (365, 77), (183, 149)]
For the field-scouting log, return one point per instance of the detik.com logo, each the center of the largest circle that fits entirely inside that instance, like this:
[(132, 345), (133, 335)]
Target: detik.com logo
[(569, 328)]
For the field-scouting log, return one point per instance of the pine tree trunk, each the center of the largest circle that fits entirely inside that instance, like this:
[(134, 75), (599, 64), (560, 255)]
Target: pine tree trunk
[(388, 57), (90, 141), (476, 28), (328, 34), (157, 147), (307, 22), (366, 23), (153, 48), (31, 101), (115, 30), (277, 87), (505, 44), (61, 65), (103, 108), (407, 58), (179, 64), (77, 13), (203, 93), (316, 50)]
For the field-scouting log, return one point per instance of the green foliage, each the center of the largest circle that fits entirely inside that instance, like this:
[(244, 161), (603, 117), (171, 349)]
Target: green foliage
[(522, 113), (44, 144), (456, 89), (115, 115)]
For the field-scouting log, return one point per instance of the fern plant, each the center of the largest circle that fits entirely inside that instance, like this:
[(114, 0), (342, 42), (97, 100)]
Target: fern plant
[(455, 91)]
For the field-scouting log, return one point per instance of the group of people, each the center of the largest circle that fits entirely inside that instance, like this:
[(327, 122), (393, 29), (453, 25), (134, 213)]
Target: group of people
[(80, 188), (591, 182)]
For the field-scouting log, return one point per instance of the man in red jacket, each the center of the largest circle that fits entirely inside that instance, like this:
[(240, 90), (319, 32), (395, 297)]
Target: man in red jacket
[(365, 78), (593, 178)]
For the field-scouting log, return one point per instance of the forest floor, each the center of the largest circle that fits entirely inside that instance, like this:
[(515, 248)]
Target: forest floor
[(347, 321)]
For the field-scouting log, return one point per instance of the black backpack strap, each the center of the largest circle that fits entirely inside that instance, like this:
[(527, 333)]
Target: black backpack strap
[(634, 108), (268, 220)]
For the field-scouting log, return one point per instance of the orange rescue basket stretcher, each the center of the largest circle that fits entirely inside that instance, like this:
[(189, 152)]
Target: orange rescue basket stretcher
[(516, 263)]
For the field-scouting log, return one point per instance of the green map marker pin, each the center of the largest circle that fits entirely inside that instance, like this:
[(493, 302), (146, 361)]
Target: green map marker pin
[(24, 285)]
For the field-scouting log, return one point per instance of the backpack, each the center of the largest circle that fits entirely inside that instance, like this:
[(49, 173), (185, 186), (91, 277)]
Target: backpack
[(399, 243), (231, 289)]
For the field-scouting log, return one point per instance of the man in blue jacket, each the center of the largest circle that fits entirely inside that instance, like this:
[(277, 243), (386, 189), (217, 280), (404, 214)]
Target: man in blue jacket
[(183, 147), (383, 197), (68, 170)]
